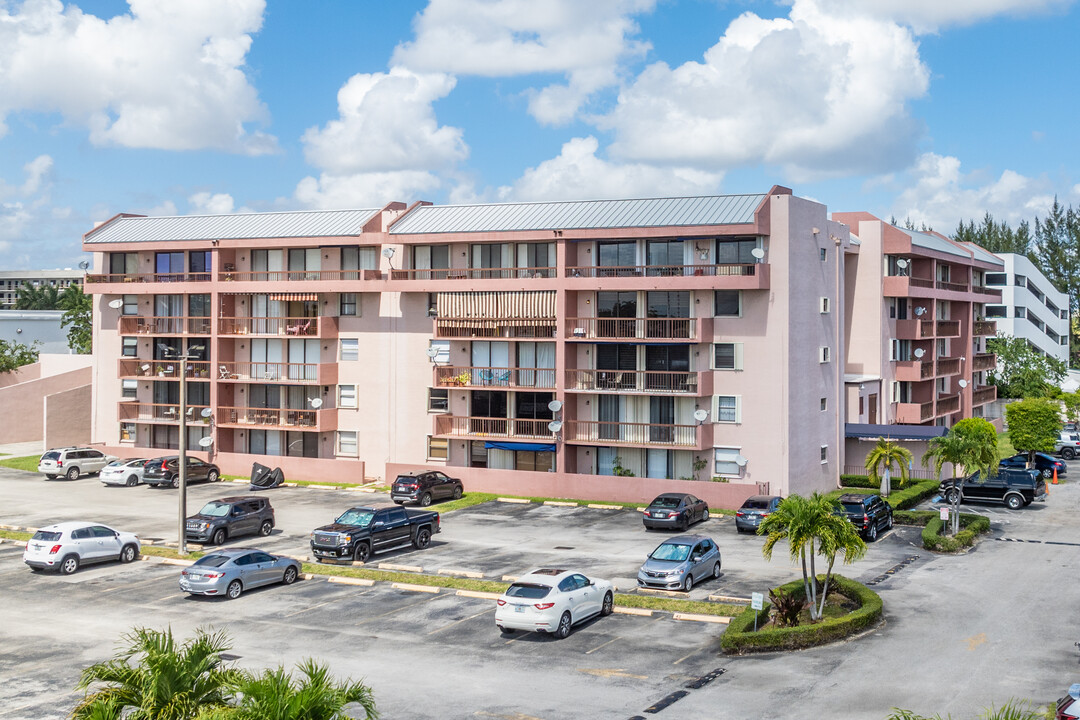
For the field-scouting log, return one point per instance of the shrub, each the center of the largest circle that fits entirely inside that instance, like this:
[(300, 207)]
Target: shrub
[(971, 526), (913, 494), (788, 607), (916, 518), (741, 638)]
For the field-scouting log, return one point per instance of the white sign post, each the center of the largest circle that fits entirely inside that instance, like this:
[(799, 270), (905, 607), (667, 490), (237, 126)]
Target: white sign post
[(757, 601), (944, 514)]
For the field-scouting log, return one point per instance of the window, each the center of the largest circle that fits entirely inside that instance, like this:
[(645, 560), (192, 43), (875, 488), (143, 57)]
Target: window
[(131, 347), (438, 448), (536, 461), (348, 304), (824, 454), (127, 432), (996, 311), (442, 357), (728, 462), (824, 404), (727, 356), (728, 303), (997, 279), (347, 396), (727, 409), (131, 305), (1020, 311), (735, 251), (438, 400), (129, 389), (823, 254), (350, 349), (346, 443), (824, 305), (824, 354)]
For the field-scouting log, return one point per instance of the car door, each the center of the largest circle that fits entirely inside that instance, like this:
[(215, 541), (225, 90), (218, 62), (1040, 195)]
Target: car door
[(107, 540), (441, 488), (698, 560), (698, 507), (247, 570), (265, 568), (196, 470), (383, 529), (570, 597), (93, 461), (590, 596), (243, 520), (85, 544)]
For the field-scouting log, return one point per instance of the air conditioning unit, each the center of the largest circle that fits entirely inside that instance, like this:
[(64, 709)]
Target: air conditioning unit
[(579, 332)]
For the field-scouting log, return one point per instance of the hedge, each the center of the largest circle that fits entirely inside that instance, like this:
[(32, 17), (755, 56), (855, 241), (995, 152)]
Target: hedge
[(971, 525), (910, 496), (740, 636)]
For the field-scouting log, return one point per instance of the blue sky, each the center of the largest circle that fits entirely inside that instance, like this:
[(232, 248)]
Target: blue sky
[(937, 111)]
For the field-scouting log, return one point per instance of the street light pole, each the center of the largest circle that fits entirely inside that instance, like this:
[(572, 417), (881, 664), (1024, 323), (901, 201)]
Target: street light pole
[(183, 456)]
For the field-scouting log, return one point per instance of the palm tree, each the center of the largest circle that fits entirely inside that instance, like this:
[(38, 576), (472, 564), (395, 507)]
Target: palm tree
[(156, 678), (811, 527), (277, 695), (884, 454), (970, 445)]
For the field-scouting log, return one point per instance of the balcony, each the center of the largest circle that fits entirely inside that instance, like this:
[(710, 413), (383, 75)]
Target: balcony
[(158, 413), (993, 293), (952, 286), (486, 377), (914, 370), (509, 273), (944, 367), (108, 278), (666, 329), (481, 427), (752, 276), (324, 327), (139, 325), (947, 405), (947, 328), (912, 329), (651, 382), (983, 361), (323, 419), (914, 413), (285, 373), (615, 433), (296, 275), (984, 328), (460, 327), (165, 369), (983, 394)]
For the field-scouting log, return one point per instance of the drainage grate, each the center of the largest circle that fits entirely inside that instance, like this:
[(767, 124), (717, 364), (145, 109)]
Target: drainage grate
[(893, 570)]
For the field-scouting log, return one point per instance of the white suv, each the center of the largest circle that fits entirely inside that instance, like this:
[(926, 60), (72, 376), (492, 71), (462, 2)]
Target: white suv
[(1067, 445), (66, 546), (71, 462)]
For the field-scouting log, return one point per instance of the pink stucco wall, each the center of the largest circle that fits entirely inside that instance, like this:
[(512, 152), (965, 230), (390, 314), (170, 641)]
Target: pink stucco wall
[(28, 423), (67, 417)]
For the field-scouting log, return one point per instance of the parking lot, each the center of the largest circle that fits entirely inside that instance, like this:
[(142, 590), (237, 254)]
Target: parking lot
[(961, 632)]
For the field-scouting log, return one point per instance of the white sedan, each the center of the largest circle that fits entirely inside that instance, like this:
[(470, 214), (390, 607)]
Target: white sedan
[(123, 472), (550, 600)]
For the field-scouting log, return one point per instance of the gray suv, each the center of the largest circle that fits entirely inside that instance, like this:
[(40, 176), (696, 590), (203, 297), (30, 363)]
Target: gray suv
[(230, 517)]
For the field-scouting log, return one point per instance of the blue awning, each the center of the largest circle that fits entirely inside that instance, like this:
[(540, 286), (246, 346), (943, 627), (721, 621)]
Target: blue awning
[(537, 447)]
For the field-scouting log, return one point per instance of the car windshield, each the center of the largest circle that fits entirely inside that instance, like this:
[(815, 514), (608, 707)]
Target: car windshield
[(529, 592), (755, 504), (212, 560), (665, 502), (672, 552), (357, 516), (51, 455), (215, 509), (46, 535)]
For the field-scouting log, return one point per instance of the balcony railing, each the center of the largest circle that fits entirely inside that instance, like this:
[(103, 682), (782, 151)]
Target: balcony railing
[(592, 431), (495, 327), (982, 290), (147, 277), (139, 325), (166, 369), (983, 361), (158, 412), (305, 373), (984, 394), (647, 381), (462, 426), (469, 376), (295, 326), (983, 328), (947, 328), (920, 282), (632, 328), (952, 286), (509, 273), (295, 275), (947, 366), (297, 419), (605, 271), (947, 404), (914, 413)]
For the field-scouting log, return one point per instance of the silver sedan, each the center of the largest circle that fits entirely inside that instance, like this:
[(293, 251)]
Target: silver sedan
[(231, 571)]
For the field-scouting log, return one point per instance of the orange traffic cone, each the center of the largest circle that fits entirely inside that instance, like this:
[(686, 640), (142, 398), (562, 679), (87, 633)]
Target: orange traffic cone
[(1055, 476)]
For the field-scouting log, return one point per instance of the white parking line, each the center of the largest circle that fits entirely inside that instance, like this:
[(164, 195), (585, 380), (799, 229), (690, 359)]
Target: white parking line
[(590, 652), (327, 602), (128, 586), (403, 607)]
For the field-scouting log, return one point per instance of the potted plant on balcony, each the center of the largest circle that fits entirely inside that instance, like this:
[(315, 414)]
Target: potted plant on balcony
[(160, 371), (462, 378)]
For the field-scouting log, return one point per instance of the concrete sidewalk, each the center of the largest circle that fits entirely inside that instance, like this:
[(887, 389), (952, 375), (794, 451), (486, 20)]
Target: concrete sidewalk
[(33, 447)]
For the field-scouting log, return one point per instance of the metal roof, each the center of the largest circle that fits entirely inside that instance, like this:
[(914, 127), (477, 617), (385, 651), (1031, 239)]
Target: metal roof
[(894, 432), (581, 214), (298, 224), (933, 242), (983, 255)]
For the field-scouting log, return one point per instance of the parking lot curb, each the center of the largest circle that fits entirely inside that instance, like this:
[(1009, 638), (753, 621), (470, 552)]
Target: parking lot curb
[(361, 489), (719, 619), (519, 501), (461, 573), (310, 576), (596, 506), (19, 543), (177, 561), (238, 480), (641, 612), (730, 599), (400, 568), (416, 588), (560, 503), (509, 578), (350, 581), (478, 594), (665, 593)]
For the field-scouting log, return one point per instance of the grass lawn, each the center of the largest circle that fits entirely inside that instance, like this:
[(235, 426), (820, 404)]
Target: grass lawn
[(1005, 446), (27, 462), (15, 535)]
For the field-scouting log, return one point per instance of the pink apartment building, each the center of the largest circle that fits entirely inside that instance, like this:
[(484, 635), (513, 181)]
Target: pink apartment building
[(605, 349)]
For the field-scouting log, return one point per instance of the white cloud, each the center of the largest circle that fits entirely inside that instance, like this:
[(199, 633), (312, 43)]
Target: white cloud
[(169, 75), (364, 190), (203, 203), (577, 173), (585, 41), (930, 15), (816, 93), (27, 209)]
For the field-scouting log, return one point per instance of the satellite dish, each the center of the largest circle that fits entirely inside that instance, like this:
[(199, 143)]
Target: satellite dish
[(701, 415), (206, 412), (919, 311), (388, 252), (554, 426), (116, 304), (433, 352), (740, 461), (758, 253), (555, 405), (919, 352), (316, 403), (962, 383), (901, 263), (83, 264), (206, 442)]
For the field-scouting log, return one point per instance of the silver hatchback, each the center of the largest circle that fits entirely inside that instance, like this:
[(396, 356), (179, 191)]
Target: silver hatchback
[(229, 572), (679, 563)]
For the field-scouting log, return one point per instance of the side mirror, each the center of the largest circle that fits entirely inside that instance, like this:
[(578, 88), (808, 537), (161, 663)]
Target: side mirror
[(695, 558), (378, 523)]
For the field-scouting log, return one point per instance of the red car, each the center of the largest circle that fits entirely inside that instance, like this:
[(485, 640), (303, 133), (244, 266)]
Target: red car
[(1068, 707)]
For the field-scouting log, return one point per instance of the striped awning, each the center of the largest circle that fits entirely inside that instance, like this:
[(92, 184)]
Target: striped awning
[(294, 297), (509, 308)]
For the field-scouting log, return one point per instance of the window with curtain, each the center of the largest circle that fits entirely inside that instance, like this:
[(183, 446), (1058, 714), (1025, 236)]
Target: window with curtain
[(169, 266), (347, 304), (127, 432), (165, 437), (123, 263), (443, 348), (727, 409), (438, 448), (536, 256)]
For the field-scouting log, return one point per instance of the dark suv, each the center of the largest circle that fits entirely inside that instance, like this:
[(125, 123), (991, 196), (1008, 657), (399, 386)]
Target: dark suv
[(230, 517), (1013, 487), (166, 471), (423, 487), (869, 513)]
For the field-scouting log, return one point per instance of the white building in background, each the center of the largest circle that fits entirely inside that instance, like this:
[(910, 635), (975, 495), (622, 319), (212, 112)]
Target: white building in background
[(1031, 307), (12, 280)]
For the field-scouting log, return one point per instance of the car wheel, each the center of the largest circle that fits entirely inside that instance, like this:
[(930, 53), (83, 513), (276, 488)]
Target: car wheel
[(51, 477), (175, 482), (888, 522), (1068, 453), (132, 481), (399, 502), (1014, 502), (457, 492), (69, 564), (234, 590), (212, 476), (1047, 472), (871, 534), (952, 496), (716, 569), (218, 537), (425, 499), (128, 553), (423, 538), (290, 575), (688, 583), (506, 630), (705, 515), (362, 552), (609, 605), (563, 630), (265, 528), (72, 473)]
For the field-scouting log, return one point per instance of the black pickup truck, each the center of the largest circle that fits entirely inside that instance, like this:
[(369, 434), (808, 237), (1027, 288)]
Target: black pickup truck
[(1013, 487), (361, 531)]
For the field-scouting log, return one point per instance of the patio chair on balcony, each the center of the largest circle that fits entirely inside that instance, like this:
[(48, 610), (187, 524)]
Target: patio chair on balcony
[(300, 328), (224, 373)]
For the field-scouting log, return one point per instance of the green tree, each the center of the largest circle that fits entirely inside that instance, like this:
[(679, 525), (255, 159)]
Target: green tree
[(78, 314), (153, 677), (1034, 425), (14, 355), (881, 459), (37, 297), (996, 237), (1023, 371), (1072, 405), (1057, 249), (970, 445), (812, 527), (277, 695)]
